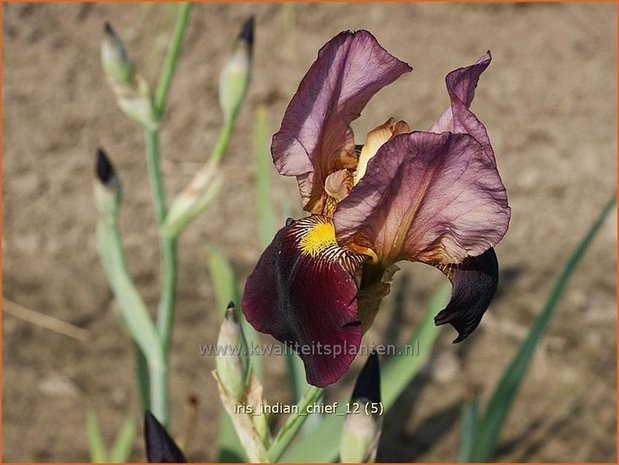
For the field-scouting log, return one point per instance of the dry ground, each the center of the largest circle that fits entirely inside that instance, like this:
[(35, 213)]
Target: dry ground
[(548, 101)]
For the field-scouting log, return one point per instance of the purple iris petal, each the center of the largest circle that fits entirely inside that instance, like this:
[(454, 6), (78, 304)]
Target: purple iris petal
[(315, 138), (461, 84), (474, 283), (303, 293), (434, 198)]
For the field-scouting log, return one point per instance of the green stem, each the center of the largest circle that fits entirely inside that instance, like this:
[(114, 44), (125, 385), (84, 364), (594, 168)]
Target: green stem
[(134, 315), (293, 423), (165, 314), (154, 174), (143, 377), (160, 391), (169, 65), (222, 143)]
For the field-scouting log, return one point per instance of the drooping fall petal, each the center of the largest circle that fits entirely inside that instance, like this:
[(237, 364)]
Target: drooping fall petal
[(475, 281), (303, 293), (315, 138), (434, 198), (461, 84)]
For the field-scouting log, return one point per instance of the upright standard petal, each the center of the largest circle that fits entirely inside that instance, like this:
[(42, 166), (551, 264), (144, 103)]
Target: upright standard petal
[(315, 138), (434, 198), (303, 292), (461, 84)]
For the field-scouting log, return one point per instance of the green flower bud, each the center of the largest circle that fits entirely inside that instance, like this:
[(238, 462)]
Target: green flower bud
[(106, 186), (130, 88), (236, 74), (231, 360), (116, 63), (363, 424)]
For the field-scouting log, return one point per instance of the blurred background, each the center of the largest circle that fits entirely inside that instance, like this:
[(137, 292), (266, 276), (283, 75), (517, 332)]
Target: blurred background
[(548, 101)]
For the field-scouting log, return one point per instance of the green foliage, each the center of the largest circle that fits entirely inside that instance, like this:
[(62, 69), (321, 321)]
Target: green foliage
[(490, 422), (124, 442), (122, 445), (96, 446), (266, 217)]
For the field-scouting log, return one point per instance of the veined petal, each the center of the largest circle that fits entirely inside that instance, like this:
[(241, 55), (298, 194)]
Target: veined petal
[(315, 138), (474, 282), (434, 198), (461, 84), (303, 292)]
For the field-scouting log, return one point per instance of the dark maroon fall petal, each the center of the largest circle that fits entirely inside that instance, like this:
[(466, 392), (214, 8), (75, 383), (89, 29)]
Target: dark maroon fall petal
[(160, 447), (315, 138), (303, 293), (474, 281)]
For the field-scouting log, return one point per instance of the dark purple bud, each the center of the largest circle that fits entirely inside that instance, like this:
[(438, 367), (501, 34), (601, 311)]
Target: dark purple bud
[(160, 447), (247, 33), (108, 29), (368, 382), (104, 169)]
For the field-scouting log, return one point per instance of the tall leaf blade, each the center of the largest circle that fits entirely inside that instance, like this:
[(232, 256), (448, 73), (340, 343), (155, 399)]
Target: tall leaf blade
[(124, 442), (227, 289), (95, 440), (504, 395), (133, 310), (264, 165), (468, 429)]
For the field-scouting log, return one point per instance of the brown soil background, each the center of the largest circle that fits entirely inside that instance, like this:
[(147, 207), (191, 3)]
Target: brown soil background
[(548, 100)]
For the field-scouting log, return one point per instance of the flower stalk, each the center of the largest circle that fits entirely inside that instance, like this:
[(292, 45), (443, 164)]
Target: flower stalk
[(136, 100), (133, 312), (207, 182), (294, 422)]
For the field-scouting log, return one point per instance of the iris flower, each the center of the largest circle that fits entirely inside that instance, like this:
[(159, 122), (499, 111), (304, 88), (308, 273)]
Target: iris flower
[(432, 196)]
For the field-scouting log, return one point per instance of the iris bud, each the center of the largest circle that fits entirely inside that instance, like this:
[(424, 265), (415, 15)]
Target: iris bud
[(130, 88), (106, 186), (160, 447), (231, 361), (116, 63), (363, 424), (236, 74)]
